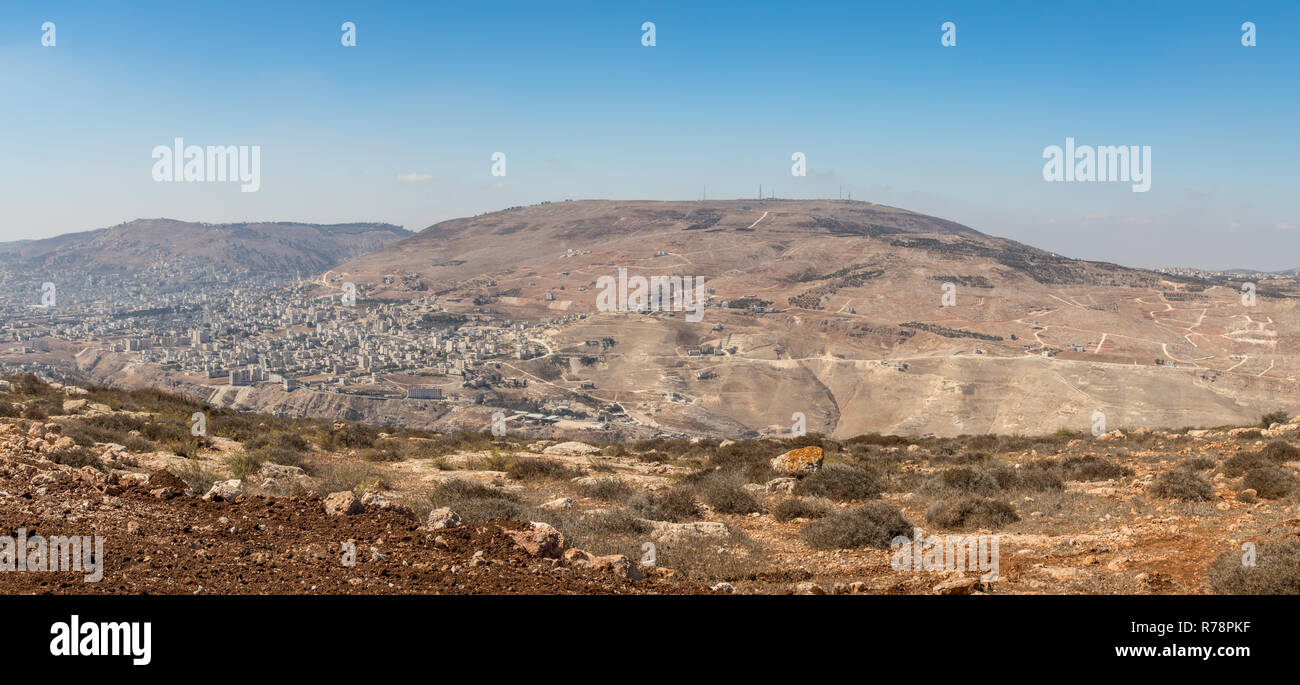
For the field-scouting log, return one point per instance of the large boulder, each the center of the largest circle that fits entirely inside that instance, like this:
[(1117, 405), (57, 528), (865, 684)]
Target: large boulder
[(225, 490), (443, 517), (799, 462), (539, 539), (619, 565), (343, 503)]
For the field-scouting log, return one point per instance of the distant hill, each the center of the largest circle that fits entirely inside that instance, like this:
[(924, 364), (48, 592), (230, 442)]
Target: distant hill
[(835, 310), (281, 247)]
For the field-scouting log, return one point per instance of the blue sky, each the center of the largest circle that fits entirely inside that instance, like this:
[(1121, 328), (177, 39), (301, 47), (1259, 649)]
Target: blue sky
[(582, 109)]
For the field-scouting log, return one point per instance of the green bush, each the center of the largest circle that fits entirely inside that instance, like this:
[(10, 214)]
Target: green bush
[(243, 464)]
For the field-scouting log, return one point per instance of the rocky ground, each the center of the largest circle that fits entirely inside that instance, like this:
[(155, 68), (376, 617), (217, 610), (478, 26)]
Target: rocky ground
[(1136, 512)]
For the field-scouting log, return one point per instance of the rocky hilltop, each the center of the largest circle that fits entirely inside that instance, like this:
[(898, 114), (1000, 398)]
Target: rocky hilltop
[(260, 504)]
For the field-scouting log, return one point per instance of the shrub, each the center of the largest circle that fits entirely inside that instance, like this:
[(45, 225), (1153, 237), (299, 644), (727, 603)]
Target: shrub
[(167, 431), (496, 461), (797, 507), (677, 504), (533, 468), (195, 476), (1199, 463), (1270, 482), (873, 524), (1032, 478), (971, 512), (9, 410), (840, 482), (1273, 417), (1276, 571), (1280, 452), (963, 480), (476, 501), (385, 452), (724, 491), (599, 465), (280, 439), (1089, 468), (243, 464), (135, 443), (486, 508), (606, 489), (76, 457), (283, 456), (350, 436), (357, 477), (184, 448), (1242, 462), (1184, 485)]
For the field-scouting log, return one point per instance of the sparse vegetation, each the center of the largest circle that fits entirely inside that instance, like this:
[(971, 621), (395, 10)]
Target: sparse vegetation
[(1267, 420), (1270, 482), (1280, 451), (530, 468), (1184, 485), (76, 457), (962, 480), (606, 489), (971, 512), (840, 482), (1032, 478), (725, 493), (1090, 468), (793, 508), (873, 524), (1199, 463), (1276, 570), (242, 463)]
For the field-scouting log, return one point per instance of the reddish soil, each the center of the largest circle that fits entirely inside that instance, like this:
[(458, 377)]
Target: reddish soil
[(273, 545)]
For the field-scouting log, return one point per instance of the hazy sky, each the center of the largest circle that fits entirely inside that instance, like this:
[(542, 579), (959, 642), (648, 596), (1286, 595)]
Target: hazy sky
[(730, 90)]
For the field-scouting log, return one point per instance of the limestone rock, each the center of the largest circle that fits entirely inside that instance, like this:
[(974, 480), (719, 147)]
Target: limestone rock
[(798, 462)]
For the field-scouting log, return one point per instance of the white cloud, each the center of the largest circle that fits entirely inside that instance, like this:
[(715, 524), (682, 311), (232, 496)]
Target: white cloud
[(413, 177)]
